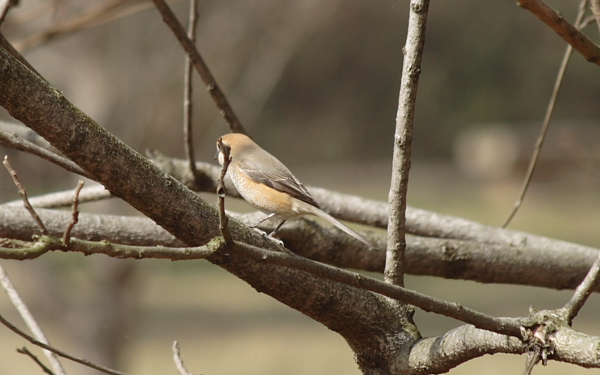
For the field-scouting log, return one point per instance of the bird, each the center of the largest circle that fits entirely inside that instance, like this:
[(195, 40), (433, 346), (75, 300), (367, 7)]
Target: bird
[(268, 185)]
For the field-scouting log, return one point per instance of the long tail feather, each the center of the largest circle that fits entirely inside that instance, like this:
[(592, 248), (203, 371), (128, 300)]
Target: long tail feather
[(343, 227)]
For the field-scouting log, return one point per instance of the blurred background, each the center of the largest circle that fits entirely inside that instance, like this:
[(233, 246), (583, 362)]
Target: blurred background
[(316, 83)]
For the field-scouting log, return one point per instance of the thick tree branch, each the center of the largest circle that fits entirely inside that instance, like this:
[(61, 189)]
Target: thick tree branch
[(505, 326), (375, 213), (426, 355), (365, 320), (65, 198), (435, 355), (557, 265)]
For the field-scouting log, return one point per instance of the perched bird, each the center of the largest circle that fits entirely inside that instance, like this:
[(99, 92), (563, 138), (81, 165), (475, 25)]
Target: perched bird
[(268, 185)]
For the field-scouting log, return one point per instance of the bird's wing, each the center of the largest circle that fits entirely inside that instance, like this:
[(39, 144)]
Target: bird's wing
[(281, 179)]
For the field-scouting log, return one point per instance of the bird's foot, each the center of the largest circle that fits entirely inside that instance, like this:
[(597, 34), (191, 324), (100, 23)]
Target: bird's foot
[(270, 236)]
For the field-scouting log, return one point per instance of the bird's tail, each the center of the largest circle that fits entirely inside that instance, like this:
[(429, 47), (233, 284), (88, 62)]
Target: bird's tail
[(324, 215)]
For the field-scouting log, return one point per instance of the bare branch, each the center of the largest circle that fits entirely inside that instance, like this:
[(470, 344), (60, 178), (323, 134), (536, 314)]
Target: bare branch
[(588, 49), (510, 327), (534, 261), (207, 77), (418, 221), (595, 7), (178, 361), (15, 222), (65, 198), (188, 141), (22, 250), (96, 15), (411, 69), (75, 214), (436, 355), (26, 351), (23, 195), (223, 220), (547, 117), (28, 318), (582, 293), (5, 6), (13, 141), (60, 353), (4, 43), (25, 133)]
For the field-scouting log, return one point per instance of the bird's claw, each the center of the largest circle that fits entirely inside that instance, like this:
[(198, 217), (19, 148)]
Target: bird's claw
[(275, 240)]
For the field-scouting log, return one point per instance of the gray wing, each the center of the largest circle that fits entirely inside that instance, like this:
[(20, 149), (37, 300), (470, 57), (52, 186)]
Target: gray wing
[(281, 179)]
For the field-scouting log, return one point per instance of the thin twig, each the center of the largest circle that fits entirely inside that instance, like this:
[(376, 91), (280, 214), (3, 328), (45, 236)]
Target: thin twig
[(13, 141), (75, 214), (29, 320), (81, 361), (23, 195), (595, 7), (26, 351), (207, 77), (4, 43), (93, 16), (5, 6), (411, 69), (532, 359), (547, 118), (582, 293), (187, 93), (570, 33), (223, 220), (178, 361)]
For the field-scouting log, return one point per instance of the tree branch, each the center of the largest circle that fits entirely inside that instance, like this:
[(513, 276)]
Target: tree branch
[(411, 69), (558, 266), (178, 361), (207, 77), (5, 6), (582, 293), (436, 355), (188, 139), (588, 49), (370, 325), (26, 351), (13, 141), (456, 346), (65, 198), (23, 195), (29, 320), (56, 351), (547, 117)]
